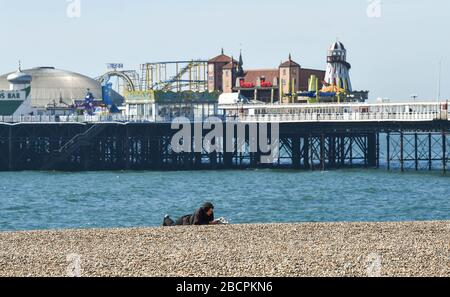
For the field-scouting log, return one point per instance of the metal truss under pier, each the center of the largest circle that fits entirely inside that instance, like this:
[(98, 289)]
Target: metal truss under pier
[(148, 146)]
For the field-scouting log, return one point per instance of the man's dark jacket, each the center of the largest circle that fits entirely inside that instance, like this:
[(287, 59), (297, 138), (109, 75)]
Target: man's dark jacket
[(200, 217)]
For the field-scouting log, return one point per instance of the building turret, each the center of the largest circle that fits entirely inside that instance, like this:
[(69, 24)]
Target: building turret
[(215, 71), (338, 68), (289, 72), (230, 73)]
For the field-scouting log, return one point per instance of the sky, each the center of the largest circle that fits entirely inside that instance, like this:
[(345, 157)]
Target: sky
[(395, 46)]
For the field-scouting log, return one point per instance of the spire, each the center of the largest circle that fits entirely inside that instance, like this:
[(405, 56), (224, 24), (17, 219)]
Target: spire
[(223, 52), (240, 68), (290, 57), (20, 66)]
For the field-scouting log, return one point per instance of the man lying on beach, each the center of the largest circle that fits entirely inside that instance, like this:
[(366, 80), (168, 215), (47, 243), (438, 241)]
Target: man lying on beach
[(202, 216)]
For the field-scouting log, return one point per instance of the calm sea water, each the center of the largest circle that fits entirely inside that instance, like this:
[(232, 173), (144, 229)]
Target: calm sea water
[(40, 200)]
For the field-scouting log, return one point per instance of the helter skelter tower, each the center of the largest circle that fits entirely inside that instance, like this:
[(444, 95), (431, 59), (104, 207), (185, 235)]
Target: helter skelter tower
[(338, 68)]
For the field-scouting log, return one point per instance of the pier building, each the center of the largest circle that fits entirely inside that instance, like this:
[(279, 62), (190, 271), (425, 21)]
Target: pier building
[(55, 89), (228, 75)]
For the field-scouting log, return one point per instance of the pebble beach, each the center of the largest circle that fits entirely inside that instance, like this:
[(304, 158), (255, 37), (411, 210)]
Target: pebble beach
[(271, 250)]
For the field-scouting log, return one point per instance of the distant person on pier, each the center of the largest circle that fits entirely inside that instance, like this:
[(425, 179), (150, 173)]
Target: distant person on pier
[(202, 216)]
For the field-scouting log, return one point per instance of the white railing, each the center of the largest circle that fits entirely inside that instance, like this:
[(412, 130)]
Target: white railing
[(274, 113), (348, 117), (92, 119), (338, 112)]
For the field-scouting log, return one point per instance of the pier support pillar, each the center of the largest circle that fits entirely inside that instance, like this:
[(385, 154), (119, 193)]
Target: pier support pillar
[(296, 152), (342, 151), (197, 160), (322, 152), (388, 153), (213, 160), (444, 152), (372, 150), (378, 150), (416, 151), (10, 149), (306, 148), (332, 151), (126, 146), (350, 149), (229, 146), (402, 151), (312, 149), (430, 152)]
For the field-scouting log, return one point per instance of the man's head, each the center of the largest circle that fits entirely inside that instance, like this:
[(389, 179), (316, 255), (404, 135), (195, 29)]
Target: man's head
[(208, 207)]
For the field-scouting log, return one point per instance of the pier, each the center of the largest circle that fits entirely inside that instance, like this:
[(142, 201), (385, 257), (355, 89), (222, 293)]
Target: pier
[(403, 136)]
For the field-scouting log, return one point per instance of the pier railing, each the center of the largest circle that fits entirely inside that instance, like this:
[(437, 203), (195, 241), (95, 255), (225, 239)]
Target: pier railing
[(340, 117), (413, 112), (289, 113)]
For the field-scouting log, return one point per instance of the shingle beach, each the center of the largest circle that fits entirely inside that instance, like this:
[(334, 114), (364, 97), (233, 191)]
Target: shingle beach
[(335, 249)]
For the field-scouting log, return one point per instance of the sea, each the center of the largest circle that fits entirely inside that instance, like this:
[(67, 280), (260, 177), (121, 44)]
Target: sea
[(128, 199)]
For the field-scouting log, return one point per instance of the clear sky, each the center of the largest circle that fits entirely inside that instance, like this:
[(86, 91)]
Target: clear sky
[(393, 55)]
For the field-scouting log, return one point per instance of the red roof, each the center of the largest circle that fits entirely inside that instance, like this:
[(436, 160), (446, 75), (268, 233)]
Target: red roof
[(253, 75), (220, 59)]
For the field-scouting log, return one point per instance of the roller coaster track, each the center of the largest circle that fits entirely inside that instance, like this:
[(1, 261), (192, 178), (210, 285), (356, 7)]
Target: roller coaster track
[(168, 85), (130, 77)]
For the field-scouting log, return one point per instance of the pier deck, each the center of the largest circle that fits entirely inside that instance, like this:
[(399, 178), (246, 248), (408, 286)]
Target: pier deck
[(312, 137)]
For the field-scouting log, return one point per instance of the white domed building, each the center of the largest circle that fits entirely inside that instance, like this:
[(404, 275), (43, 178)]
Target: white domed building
[(51, 87)]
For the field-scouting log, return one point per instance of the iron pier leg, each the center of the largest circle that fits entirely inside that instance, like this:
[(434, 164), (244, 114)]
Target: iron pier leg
[(197, 160), (306, 148), (402, 161), (322, 152), (213, 160), (372, 148), (10, 149), (127, 148), (444, 152), (378, 150), (388, 157), (332, 151), (311, 164), (416, 150), (342, 151), (351, 150), (296, 152), (430, 152), (227, 152)]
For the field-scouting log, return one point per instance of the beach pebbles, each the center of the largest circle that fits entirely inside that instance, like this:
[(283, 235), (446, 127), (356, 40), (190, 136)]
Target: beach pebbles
[(340, 249)]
